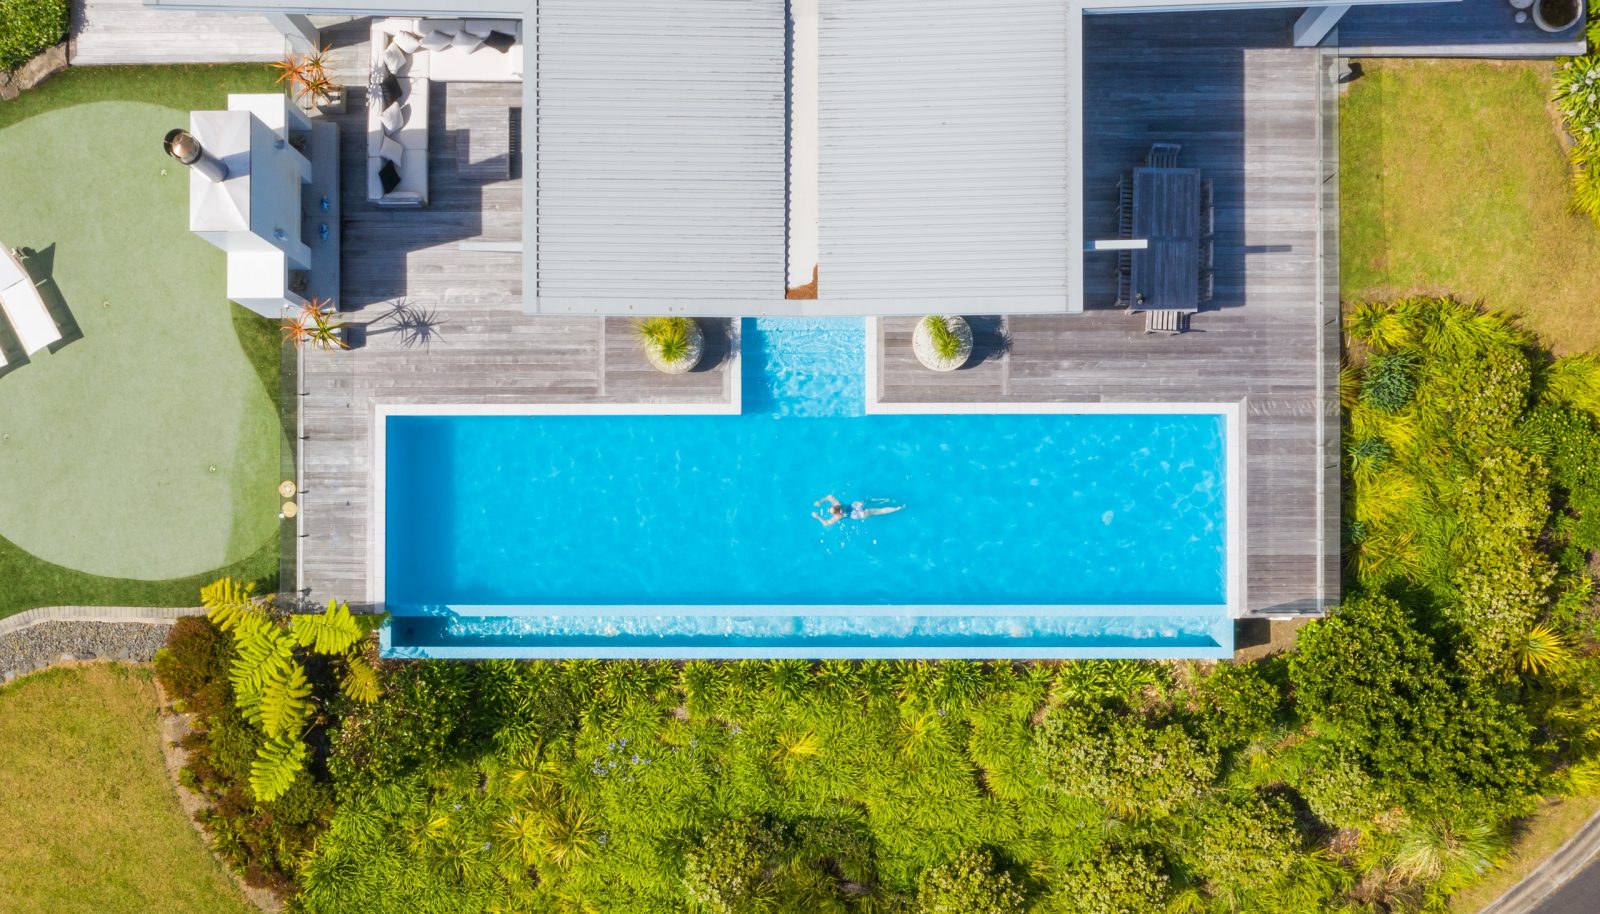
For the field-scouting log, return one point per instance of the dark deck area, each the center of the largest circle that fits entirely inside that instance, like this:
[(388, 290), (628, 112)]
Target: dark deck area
[(1467, 28), (1251, 115)]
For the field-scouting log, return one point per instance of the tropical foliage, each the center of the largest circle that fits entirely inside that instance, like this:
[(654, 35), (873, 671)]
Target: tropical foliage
[(1577, 95), (268, 676), (1377, 768)]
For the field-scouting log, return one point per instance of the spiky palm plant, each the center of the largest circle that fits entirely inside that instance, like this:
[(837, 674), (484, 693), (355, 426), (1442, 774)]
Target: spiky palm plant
[(1378, 326), (946, 344), (669, 337), (1444, 854), (1576, 379), (324, 325), (1542, 649), (297, 330)]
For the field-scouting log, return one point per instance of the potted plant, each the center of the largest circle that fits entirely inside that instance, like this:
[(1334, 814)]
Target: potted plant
[(673, 345), (315, 323), (942, 343), (305, 77), (1557, 15)]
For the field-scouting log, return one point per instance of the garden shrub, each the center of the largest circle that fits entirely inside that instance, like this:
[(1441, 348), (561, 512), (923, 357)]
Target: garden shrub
[(728, 868), (193, 666), (1113, 882), (1135, 767), (1440, 743), (1577, 96), (1246, 840), (30, 26), (1237, 703), (969, 884)]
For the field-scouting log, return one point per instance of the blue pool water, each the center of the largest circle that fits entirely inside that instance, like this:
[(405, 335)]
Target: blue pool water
[(1042, 531)]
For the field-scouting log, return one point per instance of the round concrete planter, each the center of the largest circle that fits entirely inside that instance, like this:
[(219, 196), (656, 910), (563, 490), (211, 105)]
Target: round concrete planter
[(1547, 12), (697, 349), (922, 343)]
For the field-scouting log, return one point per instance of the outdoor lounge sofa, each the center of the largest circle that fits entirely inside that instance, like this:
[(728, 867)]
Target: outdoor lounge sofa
[(409, 54), (23, 306)]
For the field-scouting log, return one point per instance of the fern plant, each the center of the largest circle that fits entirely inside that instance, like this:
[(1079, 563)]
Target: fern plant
[(270, 685)]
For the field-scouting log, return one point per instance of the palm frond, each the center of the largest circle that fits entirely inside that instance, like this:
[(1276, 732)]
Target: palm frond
[(334, 631), (277, 764), (360, 681), (227, 601)]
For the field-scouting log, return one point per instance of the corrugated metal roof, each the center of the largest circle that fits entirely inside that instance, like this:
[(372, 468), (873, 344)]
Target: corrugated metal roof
[(943, 155), (661, 144)]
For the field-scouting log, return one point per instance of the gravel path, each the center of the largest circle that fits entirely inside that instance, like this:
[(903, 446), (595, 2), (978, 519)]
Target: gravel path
[(41, 637)]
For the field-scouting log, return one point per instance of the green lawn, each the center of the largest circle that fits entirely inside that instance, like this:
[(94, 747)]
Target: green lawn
[(150, 443), (91, 822), (1453, 180)]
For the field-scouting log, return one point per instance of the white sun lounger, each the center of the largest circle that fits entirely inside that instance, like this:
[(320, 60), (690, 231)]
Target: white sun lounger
[(24, 308)]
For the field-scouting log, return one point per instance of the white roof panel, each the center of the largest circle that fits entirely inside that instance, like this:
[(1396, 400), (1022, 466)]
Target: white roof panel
[(943, 161)]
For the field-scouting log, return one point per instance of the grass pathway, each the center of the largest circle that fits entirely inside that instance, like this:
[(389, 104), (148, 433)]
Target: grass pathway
[(88, 820)]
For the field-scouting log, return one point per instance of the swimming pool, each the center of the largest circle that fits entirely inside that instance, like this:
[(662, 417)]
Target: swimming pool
[(1035, 532)]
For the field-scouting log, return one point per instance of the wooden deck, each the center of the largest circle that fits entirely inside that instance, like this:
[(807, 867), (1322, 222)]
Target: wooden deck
[(1248, 117), (1467, 28), (438, 324), (128, 32)]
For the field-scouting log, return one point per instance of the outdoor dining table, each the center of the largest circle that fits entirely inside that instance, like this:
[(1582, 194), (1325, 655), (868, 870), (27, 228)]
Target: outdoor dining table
[(1166, 213)]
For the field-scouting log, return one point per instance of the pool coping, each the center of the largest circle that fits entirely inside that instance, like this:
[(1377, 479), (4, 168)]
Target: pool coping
[(1234, 460), (1233, 415)]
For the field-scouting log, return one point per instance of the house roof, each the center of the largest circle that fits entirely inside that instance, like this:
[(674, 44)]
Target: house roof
[(943, 169), (661, 153)]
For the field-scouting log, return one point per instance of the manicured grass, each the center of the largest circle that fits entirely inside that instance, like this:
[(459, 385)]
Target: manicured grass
[(1536, 840), (149, 438), (182, 88), (91, 822), (1453, 181)]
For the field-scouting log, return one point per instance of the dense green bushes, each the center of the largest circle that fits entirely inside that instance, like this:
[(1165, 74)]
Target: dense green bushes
[(28, 27), (264, 841)]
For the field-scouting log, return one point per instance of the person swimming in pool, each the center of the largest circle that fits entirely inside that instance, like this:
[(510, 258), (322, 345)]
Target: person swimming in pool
[(860, 510)]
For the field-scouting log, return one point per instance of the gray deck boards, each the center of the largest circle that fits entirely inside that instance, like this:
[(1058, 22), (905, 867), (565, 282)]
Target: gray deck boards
[(128, 32), (1248, 117)]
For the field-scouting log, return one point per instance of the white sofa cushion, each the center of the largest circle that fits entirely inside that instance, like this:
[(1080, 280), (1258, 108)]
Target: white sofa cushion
[(408, 41), (466, 41), (396, 59), (390, 148), (436, 41), (413, 134), (392, 117)]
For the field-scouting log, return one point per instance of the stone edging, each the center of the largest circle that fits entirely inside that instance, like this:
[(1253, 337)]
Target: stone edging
[(41, 638), (36, 70), (146, 614)]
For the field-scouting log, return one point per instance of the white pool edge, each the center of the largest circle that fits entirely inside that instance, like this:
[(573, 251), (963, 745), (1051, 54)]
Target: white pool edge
[(1234, 518)]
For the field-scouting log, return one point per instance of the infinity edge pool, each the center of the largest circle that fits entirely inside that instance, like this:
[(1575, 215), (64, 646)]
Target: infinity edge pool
[(1216, 643)]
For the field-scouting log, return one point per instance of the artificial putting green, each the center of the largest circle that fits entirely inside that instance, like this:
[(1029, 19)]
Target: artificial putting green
[(147, 448)]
